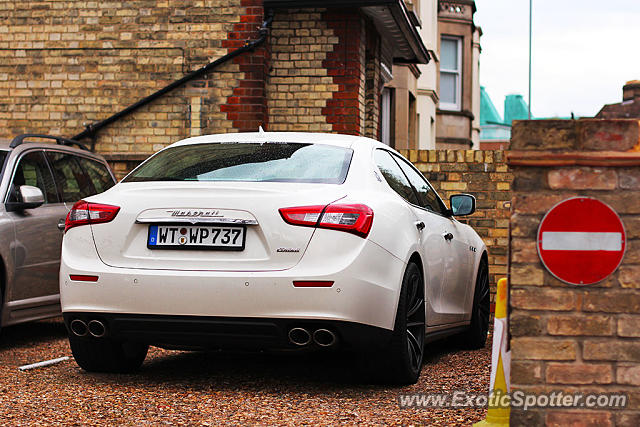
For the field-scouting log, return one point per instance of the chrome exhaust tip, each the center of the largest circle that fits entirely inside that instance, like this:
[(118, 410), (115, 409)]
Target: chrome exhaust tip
[(324, 338), (299, 336), (79, 328), (97, 329)]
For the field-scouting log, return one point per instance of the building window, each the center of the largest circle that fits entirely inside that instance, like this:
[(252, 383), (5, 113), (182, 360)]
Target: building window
[(450, 73)]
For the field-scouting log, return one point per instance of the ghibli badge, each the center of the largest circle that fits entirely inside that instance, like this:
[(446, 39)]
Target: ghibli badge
[(288, 250)]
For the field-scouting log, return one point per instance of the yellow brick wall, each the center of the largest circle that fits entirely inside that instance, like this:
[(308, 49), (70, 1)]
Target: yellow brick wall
[(299, 86), (317, 79), (64, 64), (485, 175), (67, 64)]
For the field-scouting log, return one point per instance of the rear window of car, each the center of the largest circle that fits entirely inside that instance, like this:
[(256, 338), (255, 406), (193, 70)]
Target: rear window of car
[(248, 162), (98, 174)]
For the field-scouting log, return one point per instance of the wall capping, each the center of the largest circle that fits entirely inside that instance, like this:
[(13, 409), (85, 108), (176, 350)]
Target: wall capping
[(589, 158)]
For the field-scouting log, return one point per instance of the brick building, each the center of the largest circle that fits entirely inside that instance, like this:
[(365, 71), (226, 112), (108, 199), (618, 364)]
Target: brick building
[(68, 64), (629, 108)]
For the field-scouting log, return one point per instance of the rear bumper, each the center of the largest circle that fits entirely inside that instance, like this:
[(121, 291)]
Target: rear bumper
[(365, 290), (201, 333)]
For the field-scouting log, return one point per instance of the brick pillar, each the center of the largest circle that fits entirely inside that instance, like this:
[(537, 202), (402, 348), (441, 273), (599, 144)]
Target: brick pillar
[(373, 85), (247, 108), (574, 339), (346, 65)]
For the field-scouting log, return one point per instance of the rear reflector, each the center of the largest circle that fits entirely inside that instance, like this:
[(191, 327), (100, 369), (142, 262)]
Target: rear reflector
[(83, 213), (83, 278), (352, 218), (312, 284)]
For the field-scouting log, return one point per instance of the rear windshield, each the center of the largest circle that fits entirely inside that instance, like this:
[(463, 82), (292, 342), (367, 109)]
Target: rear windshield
[(266, 162)]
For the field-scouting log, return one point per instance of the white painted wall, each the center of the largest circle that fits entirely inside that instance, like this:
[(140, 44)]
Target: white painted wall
[(427, 83)]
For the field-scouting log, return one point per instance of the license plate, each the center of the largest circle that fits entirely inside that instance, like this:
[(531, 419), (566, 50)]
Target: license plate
[(196, 237)]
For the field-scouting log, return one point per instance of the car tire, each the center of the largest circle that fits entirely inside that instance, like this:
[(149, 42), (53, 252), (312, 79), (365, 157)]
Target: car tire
[(476, 336), (400, 362), (106, 355)]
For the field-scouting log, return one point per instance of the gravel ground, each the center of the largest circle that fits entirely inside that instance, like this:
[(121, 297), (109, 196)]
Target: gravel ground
[(182, 388)]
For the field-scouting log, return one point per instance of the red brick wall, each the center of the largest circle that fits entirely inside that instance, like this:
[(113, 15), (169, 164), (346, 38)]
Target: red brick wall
[(247, 107), (345, 64), (574, 339)]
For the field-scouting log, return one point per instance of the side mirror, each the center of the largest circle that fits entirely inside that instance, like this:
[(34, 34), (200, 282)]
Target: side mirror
[(462, 204), (30, 197)]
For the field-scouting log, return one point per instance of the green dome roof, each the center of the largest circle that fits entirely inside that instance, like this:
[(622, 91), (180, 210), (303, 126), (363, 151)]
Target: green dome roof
[(515, 109), (488, 112)]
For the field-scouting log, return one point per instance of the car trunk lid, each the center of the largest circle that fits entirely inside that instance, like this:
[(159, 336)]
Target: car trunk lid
[(270, 243)]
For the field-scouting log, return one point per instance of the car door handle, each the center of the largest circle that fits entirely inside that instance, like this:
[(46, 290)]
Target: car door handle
[(448, 236), (61, 224), (420, 225)]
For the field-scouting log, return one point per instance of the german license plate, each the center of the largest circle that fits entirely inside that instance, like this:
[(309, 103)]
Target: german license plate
[(196, 237)]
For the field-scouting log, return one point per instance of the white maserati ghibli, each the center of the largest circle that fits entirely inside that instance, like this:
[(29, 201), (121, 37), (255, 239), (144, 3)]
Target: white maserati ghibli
[(272, 241)]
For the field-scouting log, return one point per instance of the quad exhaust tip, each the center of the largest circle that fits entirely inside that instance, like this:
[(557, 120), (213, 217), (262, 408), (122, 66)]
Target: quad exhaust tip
[(321, 337), (324, 337), (97, 328), (79, 328), (299, 336)]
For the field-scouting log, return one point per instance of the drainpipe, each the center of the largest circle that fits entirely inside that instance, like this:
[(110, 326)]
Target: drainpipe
[(92, 128)]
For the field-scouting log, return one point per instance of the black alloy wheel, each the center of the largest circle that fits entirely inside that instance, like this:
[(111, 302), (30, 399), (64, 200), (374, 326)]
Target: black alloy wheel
[(415, 319)]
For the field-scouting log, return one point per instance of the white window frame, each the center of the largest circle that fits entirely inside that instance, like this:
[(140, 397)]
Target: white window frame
[(457, 73)]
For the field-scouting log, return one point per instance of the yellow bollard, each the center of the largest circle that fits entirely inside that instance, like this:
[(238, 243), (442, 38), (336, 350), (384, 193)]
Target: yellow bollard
[(497, 412)]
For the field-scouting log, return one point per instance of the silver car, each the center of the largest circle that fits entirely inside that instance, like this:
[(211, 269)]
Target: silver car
[(39, 183)]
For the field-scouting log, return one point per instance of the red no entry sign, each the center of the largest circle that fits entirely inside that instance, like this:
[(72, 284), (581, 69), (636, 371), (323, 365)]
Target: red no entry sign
[(581, 241)]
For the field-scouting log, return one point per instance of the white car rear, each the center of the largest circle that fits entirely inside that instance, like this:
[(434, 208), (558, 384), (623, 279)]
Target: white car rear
[(270, 240)]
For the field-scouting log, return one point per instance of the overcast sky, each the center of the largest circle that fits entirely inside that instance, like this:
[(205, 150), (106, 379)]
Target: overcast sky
[(583, 52)]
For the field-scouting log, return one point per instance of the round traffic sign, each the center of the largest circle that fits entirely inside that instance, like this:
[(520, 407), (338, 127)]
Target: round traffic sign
[(581, 241)]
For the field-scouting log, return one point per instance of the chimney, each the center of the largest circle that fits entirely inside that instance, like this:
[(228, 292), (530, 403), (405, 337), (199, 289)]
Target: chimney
[(631, 91)]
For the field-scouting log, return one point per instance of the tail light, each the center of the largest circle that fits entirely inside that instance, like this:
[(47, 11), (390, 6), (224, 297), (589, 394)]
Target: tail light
[(352, 218), (83, 213)]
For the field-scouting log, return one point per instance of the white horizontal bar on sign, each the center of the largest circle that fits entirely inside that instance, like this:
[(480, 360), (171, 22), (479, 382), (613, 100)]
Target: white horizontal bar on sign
[(581, 241)]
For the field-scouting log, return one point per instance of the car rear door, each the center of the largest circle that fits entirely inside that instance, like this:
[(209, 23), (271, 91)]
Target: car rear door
[(36, 249), (434, 251), (443, 232)]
